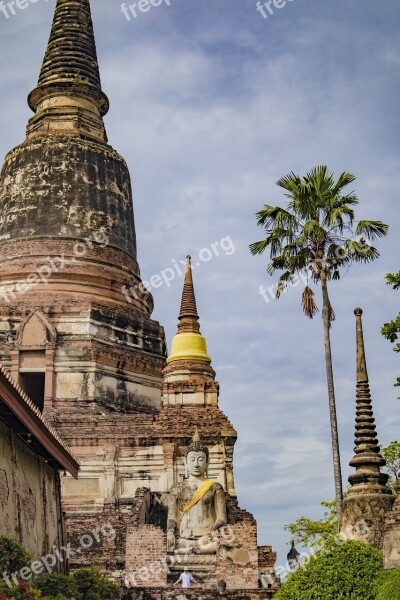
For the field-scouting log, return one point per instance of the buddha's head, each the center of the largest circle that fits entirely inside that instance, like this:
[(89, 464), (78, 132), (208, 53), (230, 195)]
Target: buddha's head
[(197, 457), (196, 463)]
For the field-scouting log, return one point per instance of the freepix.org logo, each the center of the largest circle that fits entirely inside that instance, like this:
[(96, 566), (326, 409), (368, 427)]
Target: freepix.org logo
[(266, 9), (143, 6), (9, 9), (59, 555)]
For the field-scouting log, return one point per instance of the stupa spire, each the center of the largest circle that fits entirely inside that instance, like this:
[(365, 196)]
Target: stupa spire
[(362, 373), (369, 498), (68, 96), (188, 344), (188, 316), (367, 458)]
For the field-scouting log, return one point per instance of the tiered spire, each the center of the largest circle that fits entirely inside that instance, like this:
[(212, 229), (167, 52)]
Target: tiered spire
[(71, 50), (189, 344), (367, 459), (69, 73), (188, 316), (369, 498)]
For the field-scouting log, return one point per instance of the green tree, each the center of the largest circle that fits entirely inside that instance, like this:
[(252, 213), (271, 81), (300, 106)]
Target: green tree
[(315, 534), (349, 570), (389, 585), (391, 330), (316, 234), (92, 585), (53, 584), (391, 454), (13, 557)]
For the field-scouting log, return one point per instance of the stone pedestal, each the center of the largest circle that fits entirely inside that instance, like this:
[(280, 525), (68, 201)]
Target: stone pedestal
[(363, 516)]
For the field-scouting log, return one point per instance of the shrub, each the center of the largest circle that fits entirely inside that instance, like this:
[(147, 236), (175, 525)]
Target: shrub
[(349, 570), (13, 557), (23, 591), (56, 584), (388, 586), (92, 585)]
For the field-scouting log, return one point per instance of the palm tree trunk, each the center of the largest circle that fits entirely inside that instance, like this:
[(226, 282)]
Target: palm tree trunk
[(326, 311)]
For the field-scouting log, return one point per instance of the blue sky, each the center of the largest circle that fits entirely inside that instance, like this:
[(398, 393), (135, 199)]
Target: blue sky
[(210, 105)]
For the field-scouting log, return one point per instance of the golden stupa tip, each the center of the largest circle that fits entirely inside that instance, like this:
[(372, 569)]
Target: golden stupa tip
[(188, 344)]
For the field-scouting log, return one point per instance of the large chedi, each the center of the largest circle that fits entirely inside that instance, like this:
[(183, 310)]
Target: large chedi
[(96, 364), (67, 245), (88, 358)]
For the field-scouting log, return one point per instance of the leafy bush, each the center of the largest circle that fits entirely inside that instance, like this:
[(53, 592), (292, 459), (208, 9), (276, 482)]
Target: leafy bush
[(13, 557), (56, 584), (92, 585), (349, 570), (388, 586), (85, 584), (23, 591)]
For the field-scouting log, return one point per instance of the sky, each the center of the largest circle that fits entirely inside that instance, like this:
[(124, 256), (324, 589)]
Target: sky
[(211, 103)]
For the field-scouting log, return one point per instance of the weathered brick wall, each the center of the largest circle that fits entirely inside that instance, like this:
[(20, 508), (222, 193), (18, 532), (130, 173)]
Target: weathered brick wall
[(238, 566), (141, 507), (98, 540), (145, 556), (266, 566), (145, 545), (241, 563), (198, 594), (266, 557)]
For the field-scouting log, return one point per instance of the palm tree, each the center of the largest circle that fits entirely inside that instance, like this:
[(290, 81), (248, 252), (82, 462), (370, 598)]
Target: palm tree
[(315, 234)]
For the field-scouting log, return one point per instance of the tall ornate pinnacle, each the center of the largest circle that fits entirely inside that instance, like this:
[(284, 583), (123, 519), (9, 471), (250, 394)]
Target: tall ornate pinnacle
[(189, 344), (68, 97), (189, 378), (362, 373), (367, 459), (369, 498), (188, 316)]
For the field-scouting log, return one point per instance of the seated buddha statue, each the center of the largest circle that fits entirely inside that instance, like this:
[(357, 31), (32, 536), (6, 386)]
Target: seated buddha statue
[(197, 506)]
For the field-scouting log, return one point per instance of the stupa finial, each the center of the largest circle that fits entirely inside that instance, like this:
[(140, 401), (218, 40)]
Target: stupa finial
[(68, 98), (367, 459), (362, 373), (189, 344), (188, 315)]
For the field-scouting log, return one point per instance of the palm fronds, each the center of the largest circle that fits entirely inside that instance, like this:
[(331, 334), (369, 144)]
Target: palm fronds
[(308, 303), (314, 232)]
